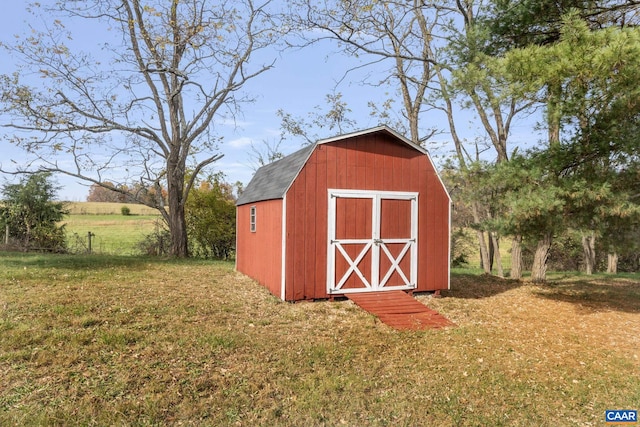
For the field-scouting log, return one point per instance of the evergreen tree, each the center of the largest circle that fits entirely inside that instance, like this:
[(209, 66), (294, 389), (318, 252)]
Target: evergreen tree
[(587, 82)]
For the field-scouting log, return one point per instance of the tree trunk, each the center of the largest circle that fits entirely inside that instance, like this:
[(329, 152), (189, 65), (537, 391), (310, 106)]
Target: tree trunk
[(491, 248), (539, 268), (485, 264), (27, 236), (589, 250), (612, 263), (516, 257), (178, 232), (484, 252), (495, 244), (177, 221)]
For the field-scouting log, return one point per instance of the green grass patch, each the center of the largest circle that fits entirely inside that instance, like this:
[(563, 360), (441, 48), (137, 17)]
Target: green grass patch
[(109, 340), (111, 234)]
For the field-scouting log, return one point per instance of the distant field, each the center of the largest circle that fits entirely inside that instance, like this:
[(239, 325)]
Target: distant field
[(95, 208), (113, 233)]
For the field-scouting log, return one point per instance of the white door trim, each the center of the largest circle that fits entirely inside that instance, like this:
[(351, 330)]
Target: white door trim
[(372, 243)]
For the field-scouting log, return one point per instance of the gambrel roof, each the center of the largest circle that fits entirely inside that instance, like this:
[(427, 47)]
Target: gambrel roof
[(273, 180)]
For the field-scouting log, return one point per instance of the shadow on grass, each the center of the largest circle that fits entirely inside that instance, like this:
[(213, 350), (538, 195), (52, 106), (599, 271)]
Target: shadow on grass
[(64, 261), (475, 286), (595, 295), (19, 260)]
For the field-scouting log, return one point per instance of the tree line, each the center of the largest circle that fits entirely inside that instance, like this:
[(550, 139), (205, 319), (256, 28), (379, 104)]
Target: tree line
[(175, 66)]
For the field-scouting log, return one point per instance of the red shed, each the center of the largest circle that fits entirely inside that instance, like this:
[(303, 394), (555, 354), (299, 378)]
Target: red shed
[(360, 212)]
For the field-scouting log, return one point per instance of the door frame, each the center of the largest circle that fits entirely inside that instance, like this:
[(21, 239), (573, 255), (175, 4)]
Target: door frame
[(375, 244)]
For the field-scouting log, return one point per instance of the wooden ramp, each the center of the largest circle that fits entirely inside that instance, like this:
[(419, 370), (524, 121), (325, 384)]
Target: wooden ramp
[(400, 310)]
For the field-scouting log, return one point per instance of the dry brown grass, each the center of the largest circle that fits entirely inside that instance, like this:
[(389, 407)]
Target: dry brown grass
[(131, 341)]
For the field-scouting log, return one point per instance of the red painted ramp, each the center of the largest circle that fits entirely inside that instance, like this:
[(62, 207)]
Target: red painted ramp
[(400, 310)]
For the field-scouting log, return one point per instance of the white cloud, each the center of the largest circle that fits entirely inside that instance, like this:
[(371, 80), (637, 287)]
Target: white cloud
[(240, 142), (232, 122)]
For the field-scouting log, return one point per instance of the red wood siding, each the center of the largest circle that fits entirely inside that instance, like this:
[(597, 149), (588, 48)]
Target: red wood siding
[(369, 162), (434, 218), (259, 254)]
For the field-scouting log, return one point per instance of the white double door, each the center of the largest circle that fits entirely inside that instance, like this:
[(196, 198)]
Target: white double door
[(373, 238)]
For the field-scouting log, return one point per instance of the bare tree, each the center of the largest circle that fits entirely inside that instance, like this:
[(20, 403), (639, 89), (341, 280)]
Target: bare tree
[(334, 117), (396, 32), (435, 64), (144, 110), (265, 152), (465, 72)]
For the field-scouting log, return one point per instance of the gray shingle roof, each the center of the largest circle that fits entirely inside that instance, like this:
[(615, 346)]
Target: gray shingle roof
[(272, 181)]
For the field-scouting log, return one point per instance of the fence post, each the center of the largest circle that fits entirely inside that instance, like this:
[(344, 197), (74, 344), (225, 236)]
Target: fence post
[(6, 234), (89, 236)]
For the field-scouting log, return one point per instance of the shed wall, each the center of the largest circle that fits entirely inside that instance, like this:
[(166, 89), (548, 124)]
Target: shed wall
[(259, 253), (368, 162)]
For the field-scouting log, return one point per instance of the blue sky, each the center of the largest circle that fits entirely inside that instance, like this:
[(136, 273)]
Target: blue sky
[(300, 81)]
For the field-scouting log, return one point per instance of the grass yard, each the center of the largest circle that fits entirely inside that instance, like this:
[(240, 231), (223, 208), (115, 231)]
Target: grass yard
[(133, 341), (113, 233)]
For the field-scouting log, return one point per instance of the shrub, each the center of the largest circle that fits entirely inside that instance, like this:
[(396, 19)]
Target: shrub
[(211, 220), (156, 243), (31, 216)]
